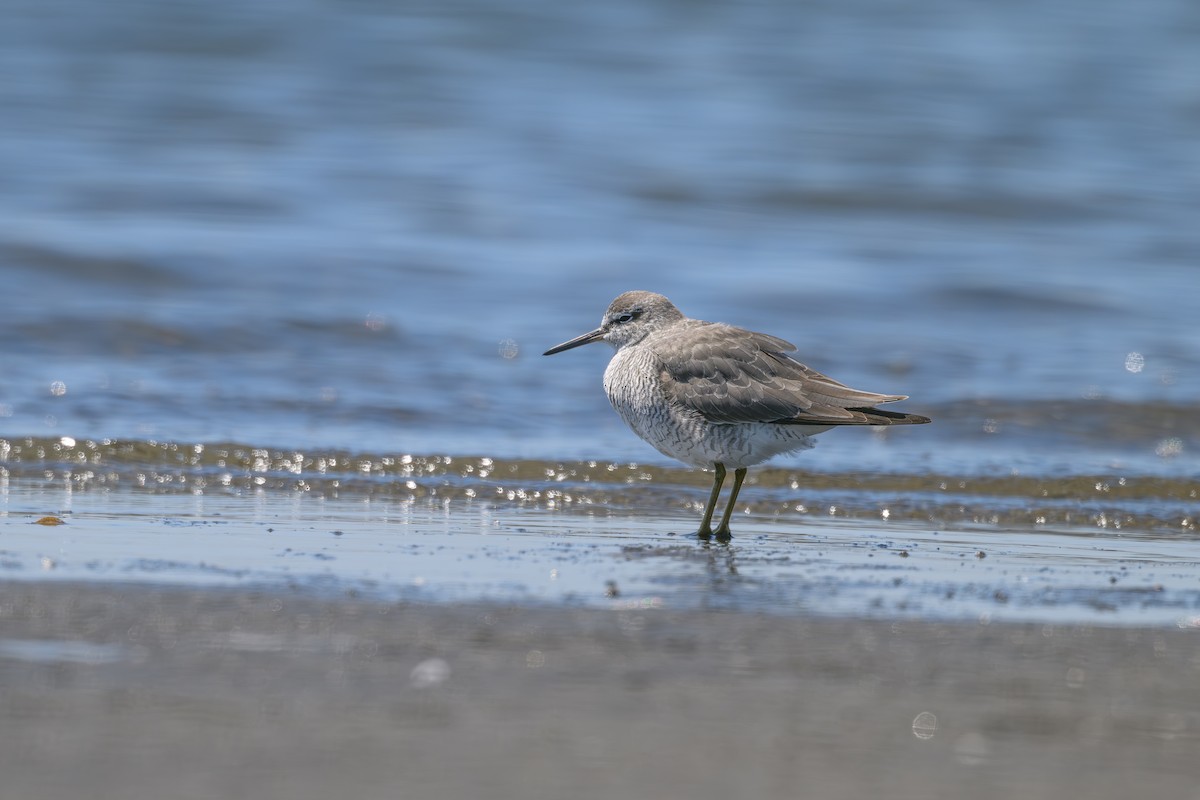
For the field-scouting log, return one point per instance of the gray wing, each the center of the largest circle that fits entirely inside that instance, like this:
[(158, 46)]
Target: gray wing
[(728, 374)]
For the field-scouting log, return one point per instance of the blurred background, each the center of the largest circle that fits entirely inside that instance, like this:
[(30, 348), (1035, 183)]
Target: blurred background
[(357, 224)]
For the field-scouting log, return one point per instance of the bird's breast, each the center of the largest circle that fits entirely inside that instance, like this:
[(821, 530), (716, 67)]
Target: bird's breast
[(633, 387)]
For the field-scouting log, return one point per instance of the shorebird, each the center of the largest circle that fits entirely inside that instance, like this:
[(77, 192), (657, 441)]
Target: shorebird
[(715, 396)]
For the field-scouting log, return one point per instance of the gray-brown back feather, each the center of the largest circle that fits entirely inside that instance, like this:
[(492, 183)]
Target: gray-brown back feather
[(727, 374)]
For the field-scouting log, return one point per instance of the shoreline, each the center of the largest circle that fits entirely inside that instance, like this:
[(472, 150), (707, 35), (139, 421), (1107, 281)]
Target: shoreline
[(594, 555)]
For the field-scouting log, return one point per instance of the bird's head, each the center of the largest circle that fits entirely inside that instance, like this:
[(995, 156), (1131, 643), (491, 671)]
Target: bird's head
[(630, 318)]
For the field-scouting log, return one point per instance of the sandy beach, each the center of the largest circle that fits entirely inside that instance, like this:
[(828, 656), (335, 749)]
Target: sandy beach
[(113, 691)]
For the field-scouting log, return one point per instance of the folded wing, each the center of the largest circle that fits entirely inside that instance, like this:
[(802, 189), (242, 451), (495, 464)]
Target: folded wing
[(728, 375)]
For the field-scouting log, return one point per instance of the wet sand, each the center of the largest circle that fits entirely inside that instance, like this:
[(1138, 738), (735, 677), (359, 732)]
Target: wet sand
[(115, 691)]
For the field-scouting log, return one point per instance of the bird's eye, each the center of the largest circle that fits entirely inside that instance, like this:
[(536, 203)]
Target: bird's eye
[(628, 316)]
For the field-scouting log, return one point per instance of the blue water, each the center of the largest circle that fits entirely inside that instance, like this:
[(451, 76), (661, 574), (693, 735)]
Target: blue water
[(328, 223)]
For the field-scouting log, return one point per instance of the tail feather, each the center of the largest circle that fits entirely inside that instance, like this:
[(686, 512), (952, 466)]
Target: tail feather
[(859, 416)]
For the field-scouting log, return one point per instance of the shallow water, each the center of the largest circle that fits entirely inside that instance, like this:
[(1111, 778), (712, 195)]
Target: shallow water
[(1081, 549), (301, 265)]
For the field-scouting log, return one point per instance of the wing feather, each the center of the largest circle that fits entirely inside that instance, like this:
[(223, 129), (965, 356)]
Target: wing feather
[(728, 375)]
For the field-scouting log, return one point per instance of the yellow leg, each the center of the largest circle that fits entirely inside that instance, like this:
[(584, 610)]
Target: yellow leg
[(739, 475), (718, 479)]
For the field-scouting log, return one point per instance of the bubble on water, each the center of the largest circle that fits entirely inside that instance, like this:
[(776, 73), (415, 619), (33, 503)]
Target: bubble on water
[(429, 672), (375, 322), (509, 348), (1135, 362), (924, 725), (58, 388), (1169, 448)]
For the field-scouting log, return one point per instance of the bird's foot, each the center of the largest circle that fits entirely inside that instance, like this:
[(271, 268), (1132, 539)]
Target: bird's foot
[(721, 534)]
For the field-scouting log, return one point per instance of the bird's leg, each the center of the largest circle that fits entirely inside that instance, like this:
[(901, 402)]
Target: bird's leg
[(722, 531), (706, 524)]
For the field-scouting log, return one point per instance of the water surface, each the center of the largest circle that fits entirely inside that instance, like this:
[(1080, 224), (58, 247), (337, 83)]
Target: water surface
[(1075, 550), (355, 226), (255, 255)]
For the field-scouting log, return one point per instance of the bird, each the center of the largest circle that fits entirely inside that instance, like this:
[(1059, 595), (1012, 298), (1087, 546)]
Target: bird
[(719, 397)]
